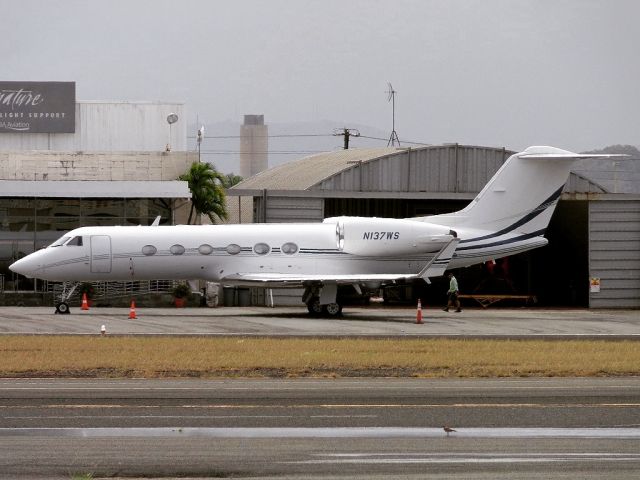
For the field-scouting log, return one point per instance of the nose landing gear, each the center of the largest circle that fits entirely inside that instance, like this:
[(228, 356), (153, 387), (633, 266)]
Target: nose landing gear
[(62, 307)]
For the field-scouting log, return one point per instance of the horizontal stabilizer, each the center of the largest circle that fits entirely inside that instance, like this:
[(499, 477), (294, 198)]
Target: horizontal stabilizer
[(552, 153)]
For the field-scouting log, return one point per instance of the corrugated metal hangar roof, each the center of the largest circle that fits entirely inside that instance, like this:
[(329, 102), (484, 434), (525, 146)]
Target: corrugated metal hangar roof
[(306, 172), (447, 169)]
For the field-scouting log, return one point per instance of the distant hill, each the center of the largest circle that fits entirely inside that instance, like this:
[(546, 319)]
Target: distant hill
[(616, 175), (619, 149)]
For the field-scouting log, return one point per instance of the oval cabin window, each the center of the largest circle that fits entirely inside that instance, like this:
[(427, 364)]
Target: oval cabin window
[(149, 250), (261, 248), (289, 248), (176, 249), (205, 249), (233, 249)]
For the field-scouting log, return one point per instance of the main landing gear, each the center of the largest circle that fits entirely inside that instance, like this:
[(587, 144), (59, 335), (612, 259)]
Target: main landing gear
[(321, 303), (333, 309)]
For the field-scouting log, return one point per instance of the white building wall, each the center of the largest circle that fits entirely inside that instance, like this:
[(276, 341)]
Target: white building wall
[(43, 165), (111, 126)]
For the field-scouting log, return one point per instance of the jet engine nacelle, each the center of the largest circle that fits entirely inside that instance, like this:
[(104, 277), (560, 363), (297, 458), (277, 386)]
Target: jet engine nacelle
[(388, 236)]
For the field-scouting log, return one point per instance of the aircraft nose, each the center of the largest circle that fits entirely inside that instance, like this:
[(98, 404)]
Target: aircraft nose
[(25, 266)]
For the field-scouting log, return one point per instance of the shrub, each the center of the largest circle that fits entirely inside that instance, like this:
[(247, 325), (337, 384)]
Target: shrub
[(181, 290)]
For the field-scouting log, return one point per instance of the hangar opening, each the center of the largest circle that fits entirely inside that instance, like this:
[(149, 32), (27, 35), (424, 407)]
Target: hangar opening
[(556, 275), (409, 182)]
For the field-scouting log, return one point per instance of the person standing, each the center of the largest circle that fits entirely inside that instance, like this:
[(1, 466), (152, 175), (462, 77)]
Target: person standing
[(452, 294)]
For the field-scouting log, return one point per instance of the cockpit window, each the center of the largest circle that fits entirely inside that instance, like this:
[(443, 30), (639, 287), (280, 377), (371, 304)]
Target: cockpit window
[(59, 242), (75, 241)]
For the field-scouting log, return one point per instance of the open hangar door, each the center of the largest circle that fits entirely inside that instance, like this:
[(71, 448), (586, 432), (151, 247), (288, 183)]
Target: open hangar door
[(557, 275), (560, 271)]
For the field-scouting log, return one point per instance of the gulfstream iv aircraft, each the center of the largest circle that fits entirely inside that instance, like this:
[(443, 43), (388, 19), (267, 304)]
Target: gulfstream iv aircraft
[(508, 216)]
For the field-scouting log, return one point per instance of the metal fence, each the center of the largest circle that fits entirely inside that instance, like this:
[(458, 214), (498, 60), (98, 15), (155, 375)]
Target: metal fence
[(106, 290)]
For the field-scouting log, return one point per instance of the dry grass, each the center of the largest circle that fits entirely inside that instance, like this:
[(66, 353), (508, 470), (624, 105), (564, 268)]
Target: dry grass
[(72, 356)]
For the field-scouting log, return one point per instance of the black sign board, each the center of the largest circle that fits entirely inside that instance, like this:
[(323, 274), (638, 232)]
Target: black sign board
[(37, 107)]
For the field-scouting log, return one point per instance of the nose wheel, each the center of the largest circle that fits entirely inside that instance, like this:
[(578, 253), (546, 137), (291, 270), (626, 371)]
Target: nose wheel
[(62, 308), (68, 288)]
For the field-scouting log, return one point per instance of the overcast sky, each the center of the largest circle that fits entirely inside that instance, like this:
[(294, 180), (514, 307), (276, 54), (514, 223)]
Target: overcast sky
[(487, 72)]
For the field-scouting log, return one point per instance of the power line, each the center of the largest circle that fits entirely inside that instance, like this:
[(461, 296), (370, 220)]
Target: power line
[(304, 135), (308, 135), (265, 136)]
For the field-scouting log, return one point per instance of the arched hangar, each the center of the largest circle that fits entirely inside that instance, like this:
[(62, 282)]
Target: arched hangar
[(592, 258)]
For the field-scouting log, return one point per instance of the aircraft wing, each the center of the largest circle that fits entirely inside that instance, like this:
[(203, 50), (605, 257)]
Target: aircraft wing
[(434, 268), (300, 278)]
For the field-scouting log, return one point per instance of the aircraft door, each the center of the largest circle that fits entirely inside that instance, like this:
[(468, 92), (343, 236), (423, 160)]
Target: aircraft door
[(100, 254)]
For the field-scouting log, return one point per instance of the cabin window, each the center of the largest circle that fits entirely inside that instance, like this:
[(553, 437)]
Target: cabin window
[(261, 248), (75, 242), (289, 248), (233, 249), (149, 250), (176, 249), (59, 242), (205, 249)]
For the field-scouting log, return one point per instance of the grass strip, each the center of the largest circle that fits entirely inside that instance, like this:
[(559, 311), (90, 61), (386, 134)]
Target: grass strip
[(118, 357)]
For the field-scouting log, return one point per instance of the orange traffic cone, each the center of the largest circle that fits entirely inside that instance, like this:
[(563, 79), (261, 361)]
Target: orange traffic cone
[(419, 313), (85, 303), (132, 309)]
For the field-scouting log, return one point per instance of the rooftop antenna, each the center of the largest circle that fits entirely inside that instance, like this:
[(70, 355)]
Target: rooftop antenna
[(392, 98)]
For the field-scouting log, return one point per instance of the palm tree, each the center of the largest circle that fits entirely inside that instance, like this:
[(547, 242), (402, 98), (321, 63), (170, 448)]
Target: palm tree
[(207, 191)]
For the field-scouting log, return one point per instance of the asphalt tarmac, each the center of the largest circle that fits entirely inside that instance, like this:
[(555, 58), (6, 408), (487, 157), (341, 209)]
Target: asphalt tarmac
[(321, 428), (356, 321)]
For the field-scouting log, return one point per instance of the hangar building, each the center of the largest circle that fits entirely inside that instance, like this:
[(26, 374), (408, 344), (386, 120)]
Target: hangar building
[(110, 163), (593, 256)]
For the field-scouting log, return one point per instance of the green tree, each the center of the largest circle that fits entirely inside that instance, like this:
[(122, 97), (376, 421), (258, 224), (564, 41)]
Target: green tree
[(231, 179), (207, 191)]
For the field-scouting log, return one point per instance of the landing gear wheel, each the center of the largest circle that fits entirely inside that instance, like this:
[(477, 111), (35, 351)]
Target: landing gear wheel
[(62, 307), (314, 306), (332, 309)]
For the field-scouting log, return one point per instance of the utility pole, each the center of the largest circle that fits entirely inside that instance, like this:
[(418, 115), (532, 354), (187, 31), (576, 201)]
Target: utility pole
[(199, 139), (347, 133)]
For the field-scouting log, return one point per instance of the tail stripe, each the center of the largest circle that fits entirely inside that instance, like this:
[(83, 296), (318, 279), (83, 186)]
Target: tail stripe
[(504, 242), (527, 218)]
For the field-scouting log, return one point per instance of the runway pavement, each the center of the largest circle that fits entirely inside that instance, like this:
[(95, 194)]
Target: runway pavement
[(314, 428), (321, 428), (294, 321)]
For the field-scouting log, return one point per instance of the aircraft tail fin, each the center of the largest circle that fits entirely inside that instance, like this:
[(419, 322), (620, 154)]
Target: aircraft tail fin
[(521, 196)]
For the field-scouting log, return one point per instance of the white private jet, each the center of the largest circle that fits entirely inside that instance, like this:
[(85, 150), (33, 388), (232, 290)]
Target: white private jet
[(508, 216)]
